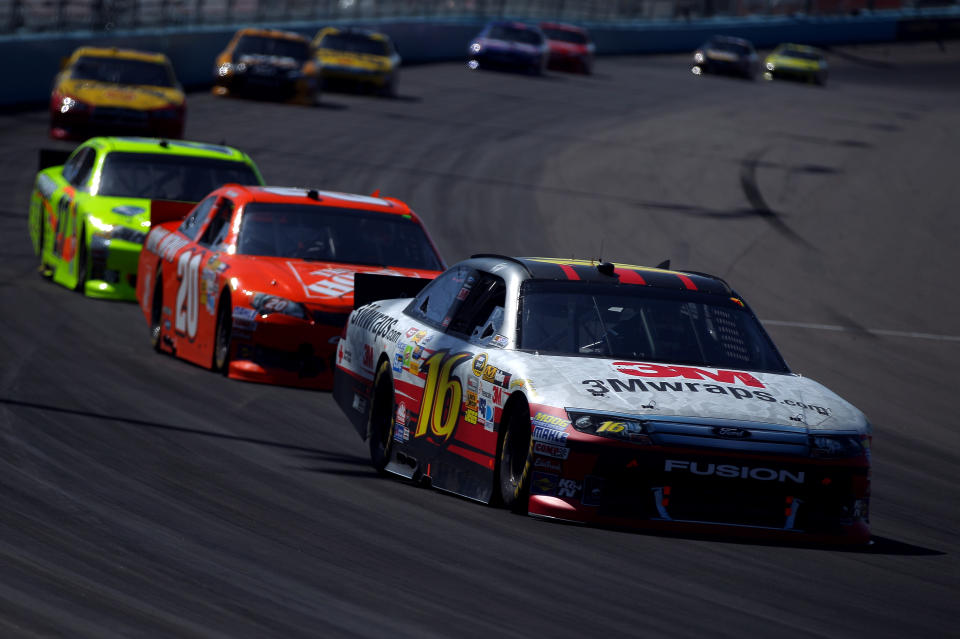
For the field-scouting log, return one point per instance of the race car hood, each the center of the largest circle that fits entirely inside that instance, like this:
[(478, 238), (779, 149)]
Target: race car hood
[(361, 61), (105, 212), (790, 62), (280, 62), (723, 56), (127, 96), (327, 286), (682, 391)]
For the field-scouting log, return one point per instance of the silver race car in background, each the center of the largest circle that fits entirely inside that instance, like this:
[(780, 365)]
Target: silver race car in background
[(601, 393)]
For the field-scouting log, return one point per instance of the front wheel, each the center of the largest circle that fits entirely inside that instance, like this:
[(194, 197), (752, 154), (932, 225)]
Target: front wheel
[(381, 424), (513, 468)]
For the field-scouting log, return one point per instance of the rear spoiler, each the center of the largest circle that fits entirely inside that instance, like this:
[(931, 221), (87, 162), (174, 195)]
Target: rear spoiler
[(52, 157), (168, 211), (370, 287)]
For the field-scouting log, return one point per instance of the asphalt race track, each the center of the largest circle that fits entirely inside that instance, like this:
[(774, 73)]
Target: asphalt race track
[(143, 496)]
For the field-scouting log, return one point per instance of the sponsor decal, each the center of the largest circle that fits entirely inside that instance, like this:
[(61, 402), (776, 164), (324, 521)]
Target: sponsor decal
[(165, 244), (543, 483), (485, 414), (490, 373), (729, 432), (367, 359), (244, 313), (499, 341), (400, 432), (359, 403), (592, 490), (733, 471), (442, 395), (568, 488), (643, 369), (371, 319), (599, 388), (549, 421), (470, 407), (549, 435), (551, 450), (542, 463)]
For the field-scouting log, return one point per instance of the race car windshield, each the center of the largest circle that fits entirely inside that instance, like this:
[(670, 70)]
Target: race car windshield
[(168, 177), (573, 37), (642, 323), (280, 47), (121, 71), (354, 43), (513, 34), (331, 234), (730, 47)]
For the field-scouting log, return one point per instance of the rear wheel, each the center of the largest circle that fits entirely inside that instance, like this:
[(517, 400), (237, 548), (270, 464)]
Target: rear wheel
[(382, 412), (221, 347), (513, 467), (156, 313)]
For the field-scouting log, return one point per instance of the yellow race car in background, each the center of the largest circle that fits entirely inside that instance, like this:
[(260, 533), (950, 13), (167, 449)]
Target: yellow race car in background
[(357, 57), (267, 63), (101, 91), (796, 62)]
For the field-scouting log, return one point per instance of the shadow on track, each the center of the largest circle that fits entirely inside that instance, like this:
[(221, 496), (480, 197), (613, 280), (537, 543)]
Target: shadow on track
[(315, 453)]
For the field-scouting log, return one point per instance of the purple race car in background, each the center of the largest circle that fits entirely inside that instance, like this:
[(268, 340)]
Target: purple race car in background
[(510, 46)]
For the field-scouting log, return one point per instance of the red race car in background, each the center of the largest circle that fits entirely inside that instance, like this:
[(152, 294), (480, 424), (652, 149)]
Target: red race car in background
[(570, 47), (257, 282)]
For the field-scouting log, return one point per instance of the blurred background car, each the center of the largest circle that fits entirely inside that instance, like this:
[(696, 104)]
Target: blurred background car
[(510, 46), (570, 47), (102, 91), (356, 57), (267, 63), (726, 55), (796, 62)]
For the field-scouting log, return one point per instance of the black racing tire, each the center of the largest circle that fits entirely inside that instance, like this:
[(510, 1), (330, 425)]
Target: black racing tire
[(83, 259), (382, 420), (156, 313), (514, 461), (223, 336)]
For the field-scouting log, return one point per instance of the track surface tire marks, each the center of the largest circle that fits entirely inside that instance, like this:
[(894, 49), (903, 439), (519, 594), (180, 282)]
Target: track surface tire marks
[(148, 497)]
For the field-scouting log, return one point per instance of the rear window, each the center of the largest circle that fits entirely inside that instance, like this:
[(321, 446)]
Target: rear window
[(354, 43), (122, 71), (168, 177), (281, 47), (333, 234)]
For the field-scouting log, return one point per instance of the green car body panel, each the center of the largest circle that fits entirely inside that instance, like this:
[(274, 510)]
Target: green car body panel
[(91, 242)]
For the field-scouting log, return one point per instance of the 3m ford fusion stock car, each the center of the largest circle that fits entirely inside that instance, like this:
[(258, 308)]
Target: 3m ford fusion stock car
[(603, 393), (257, 282)]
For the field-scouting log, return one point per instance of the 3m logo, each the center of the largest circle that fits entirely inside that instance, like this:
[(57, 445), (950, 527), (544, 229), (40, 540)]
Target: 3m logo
[(643, 369)]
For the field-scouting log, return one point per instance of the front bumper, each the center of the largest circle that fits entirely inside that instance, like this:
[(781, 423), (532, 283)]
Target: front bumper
[(497, 59), (652, 487), (113, 269), (113, 121), (276, 86), (354, 75), (285, 351)]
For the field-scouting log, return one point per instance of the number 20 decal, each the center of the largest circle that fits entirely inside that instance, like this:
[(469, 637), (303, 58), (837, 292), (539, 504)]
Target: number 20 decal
[(435, 395), (188, 303)]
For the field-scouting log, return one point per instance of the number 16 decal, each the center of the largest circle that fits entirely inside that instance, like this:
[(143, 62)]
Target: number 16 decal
[(188, 271), (439, 393)]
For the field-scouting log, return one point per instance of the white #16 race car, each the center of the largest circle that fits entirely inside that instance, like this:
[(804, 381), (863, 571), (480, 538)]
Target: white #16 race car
[(603, 393)]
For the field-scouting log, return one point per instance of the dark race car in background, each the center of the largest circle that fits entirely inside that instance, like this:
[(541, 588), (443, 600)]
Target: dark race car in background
[(570, 47), (257, 282), (511, 46), (267, 64), (603, 393), (726, 55)]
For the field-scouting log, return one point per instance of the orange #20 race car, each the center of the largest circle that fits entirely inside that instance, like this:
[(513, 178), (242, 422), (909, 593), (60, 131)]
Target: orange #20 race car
[(257, 282)]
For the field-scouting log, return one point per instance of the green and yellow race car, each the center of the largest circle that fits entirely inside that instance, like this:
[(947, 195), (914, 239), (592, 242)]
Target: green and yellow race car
[(796, 62), (90, 214), (357, 57)]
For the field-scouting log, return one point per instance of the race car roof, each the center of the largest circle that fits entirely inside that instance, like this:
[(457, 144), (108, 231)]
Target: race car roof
[(545, 268), (126, 54), (292, 195), (133, 144)]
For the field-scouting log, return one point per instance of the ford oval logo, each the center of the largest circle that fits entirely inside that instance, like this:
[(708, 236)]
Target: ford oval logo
[(730, 432)]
